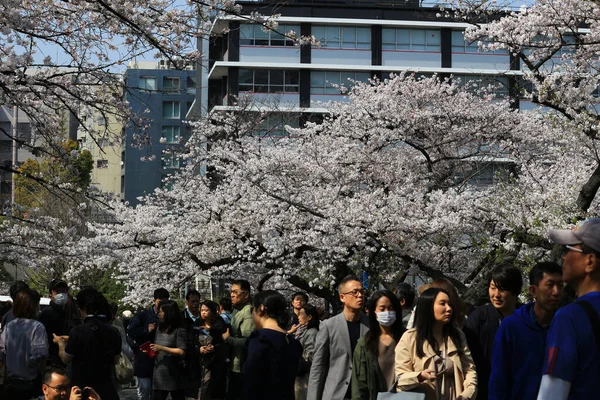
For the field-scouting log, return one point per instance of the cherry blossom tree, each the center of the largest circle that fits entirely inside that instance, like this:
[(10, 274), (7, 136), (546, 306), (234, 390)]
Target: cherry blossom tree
[(389, 182)]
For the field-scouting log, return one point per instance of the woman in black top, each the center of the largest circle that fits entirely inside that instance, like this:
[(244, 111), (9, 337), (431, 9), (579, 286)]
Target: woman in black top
[(170, 343), (273, 355)]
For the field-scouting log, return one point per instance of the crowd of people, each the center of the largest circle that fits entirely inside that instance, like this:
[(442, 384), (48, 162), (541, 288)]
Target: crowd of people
[(262, 346)]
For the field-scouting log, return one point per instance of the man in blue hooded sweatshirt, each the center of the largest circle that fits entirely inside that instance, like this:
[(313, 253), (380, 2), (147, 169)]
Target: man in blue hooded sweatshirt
[(519, 345)]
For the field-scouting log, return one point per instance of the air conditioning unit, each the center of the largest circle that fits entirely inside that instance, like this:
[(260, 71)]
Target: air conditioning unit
[(163, 64)]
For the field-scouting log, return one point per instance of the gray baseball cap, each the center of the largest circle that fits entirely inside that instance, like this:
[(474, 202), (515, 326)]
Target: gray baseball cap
[(588, 233)]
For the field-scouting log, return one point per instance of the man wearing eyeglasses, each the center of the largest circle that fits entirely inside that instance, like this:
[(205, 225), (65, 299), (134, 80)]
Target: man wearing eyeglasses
[(56, 386), (237, 336), (572, 362), (331, 368)]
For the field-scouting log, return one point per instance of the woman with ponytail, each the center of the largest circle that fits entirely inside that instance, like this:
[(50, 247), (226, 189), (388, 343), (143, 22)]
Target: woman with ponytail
[(273, 354), (373, 361)]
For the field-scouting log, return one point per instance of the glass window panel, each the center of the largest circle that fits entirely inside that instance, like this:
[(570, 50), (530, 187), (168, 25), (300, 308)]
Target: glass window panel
[(276, 77), (278, 42), (458, 39), (433, 38), (332, 78), (171, 134), (318, 32), (259, 33), (246, 76), (170, 83), (246, 31), (317, 78), (147, 83), (345, 76), (403, 39), (348, 34), (363, 35), (418, 37), (291, 77), (261, 76), (389, 39), (246, 87), (275, 88), (362, 45), (363, 76), (170, 109)]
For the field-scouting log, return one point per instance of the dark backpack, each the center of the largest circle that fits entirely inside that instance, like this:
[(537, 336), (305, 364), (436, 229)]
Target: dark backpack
[(593, 317)]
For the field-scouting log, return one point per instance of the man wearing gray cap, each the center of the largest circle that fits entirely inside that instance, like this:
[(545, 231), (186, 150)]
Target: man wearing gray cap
[(572, 362)]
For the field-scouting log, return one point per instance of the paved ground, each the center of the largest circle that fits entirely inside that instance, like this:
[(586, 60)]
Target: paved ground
[(128, 394)]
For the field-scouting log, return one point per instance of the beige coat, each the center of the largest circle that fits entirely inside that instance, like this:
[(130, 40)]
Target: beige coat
[(409, 366)]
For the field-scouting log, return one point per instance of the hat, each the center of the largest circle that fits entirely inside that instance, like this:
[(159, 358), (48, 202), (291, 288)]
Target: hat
[(57, 282), (587, 233), (127, 314)]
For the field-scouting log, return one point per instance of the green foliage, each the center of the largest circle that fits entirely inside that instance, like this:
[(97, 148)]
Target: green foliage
[(44, 183), (102, 280)]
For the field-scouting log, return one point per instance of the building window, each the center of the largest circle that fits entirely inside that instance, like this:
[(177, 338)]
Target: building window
[(460, 45), (171, 109), (342, 37), (190, 84), (411, 39), (268, 81), (147, 83), (170, 160), (273, 125), (171, 84), (170, 134), (101, 163), (254, 35), (324, 82), (478, 84)]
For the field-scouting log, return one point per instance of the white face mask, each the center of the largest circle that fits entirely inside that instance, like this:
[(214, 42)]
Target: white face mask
[(386, 318), (61, 299)]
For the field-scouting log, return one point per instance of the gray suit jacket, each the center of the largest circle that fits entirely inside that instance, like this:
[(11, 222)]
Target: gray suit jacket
[(331, 368)]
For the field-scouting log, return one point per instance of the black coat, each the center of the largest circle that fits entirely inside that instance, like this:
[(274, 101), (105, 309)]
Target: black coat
[(137, 330), (480, 330), (193, 368)]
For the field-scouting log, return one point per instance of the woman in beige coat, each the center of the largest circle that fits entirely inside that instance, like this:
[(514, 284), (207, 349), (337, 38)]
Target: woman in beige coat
[(434, 358)]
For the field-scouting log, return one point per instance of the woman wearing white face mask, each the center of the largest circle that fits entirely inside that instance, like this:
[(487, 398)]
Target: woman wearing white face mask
[(373, 362)]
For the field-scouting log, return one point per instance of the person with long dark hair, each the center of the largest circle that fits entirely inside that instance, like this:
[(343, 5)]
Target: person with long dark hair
[(308, 327), (213, 352), (24, 348), (170, 344), (434, 358), (273, 354), (373, 369)]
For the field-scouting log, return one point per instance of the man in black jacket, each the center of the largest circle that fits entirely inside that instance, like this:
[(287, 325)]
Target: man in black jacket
[(141, 329), (192, 323), (55, 318), (504, 287)]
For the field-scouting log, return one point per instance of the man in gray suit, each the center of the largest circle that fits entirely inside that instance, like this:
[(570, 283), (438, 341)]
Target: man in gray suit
[(332, 360)]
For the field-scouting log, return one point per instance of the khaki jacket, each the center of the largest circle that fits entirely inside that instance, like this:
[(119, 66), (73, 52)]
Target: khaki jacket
[(409, 366)]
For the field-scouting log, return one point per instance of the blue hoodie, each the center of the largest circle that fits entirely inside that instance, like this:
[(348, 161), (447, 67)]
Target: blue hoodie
[(518, 356)]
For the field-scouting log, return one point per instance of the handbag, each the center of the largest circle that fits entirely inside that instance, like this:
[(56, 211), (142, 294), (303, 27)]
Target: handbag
[(392, 394), (124, 370)]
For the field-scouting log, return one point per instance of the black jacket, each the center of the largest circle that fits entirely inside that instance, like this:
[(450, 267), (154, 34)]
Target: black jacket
[(480, 330), (137, 330), (55, 321)]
